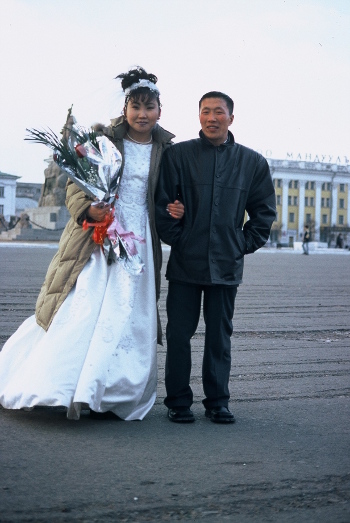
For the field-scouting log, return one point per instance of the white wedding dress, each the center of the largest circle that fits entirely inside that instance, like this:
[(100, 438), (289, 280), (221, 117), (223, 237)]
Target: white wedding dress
[(101, 347)]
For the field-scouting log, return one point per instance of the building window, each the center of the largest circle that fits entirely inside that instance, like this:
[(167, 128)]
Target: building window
[(324, 219), (1, 209), (295, 200), (341, 203), (308, 218), (290, 185), (289, 200), (328, 202), (291, 217), (310, 185), (323, 187), (312, 201), (53, 217), (2, 192), (279, 183), (278, 197), (296, 184), (322, 202), (341, 187), (306, 201), (341, 219), (328, 186)]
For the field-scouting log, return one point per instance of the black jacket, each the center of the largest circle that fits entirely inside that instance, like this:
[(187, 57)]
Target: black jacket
[(216, 185)]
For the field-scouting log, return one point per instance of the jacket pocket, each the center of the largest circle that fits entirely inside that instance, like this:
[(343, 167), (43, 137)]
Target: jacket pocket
[(241, 240), (182, 241)]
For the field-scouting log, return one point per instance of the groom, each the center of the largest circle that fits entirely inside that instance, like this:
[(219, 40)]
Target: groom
[(218, 181)]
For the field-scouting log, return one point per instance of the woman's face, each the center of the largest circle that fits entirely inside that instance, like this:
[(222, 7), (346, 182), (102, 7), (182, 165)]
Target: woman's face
[(142, 115)]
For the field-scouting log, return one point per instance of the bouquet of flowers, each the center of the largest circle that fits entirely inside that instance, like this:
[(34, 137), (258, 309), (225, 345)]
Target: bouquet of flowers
[(92, 162)]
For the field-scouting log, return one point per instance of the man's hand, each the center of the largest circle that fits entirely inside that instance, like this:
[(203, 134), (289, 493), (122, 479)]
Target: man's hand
[(176, 209)]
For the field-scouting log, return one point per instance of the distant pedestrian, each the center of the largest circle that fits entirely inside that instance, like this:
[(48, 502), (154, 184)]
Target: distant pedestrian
[(339, 241), (306, 240)]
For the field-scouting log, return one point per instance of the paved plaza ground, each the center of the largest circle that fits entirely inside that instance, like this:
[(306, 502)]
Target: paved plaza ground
[(285, 460)]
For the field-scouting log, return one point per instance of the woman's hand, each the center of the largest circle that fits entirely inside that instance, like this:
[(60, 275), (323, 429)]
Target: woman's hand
[(176, 209), (98, 211)]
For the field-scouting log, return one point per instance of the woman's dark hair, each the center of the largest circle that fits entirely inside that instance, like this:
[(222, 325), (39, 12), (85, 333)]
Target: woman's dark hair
[(144, 94)]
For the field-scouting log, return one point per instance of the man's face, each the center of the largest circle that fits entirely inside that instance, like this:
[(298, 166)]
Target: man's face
[(215, 119)]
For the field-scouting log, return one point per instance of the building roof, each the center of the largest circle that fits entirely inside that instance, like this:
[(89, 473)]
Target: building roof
[(301, 165), (9, 176), (29, 185)]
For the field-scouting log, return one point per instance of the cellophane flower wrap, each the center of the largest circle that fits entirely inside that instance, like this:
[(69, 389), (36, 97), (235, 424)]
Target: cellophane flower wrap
[(93, 163)]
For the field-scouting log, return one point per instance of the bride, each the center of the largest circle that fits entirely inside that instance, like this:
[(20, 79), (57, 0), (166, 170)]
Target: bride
[(93, 339)]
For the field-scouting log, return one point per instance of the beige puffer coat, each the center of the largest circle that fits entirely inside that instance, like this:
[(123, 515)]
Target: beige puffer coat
[(76, 245)]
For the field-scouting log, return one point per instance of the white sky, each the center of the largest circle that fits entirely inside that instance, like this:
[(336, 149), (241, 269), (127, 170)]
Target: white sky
[(286, 64)]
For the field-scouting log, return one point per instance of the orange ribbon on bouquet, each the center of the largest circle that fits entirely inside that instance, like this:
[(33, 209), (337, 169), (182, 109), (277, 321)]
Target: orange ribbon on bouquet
[(100, 232)]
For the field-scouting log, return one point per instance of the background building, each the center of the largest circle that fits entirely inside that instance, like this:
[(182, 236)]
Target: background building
[(27, 196), (307, 192), (313, 193), (8, 195)]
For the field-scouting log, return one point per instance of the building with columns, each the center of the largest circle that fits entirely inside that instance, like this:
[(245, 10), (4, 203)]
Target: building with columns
[(313, 193)]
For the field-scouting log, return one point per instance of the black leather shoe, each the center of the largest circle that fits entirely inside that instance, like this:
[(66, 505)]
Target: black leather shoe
[(181, 415), (220, 415)]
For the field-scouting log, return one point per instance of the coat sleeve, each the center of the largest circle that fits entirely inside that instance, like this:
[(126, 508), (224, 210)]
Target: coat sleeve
[(261, 208), (168, 190), (77, 202)]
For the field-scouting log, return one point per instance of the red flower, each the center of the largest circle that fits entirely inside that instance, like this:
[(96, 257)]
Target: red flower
[(80, 150)]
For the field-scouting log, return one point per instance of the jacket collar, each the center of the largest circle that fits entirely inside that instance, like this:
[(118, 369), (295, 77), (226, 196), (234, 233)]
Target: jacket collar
[(118, 129), (229, 143)]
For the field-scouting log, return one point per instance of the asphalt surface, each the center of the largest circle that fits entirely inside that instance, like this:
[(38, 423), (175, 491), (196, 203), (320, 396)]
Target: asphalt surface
[(285, 460)]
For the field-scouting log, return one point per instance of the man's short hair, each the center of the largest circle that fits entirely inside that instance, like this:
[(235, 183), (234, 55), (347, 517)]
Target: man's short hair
[(218, 94)]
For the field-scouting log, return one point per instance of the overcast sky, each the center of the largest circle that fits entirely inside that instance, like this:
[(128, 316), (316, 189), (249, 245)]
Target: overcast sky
[(286, 64)]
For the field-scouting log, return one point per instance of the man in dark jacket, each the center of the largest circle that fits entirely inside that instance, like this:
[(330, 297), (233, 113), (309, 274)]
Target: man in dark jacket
[(218, 181), (306, 240)]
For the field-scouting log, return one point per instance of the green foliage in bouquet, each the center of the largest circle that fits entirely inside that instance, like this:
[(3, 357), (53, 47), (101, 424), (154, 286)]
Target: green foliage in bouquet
[(91, 160), (69, 156)]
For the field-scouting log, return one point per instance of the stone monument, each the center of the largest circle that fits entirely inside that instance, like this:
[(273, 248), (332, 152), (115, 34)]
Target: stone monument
[(53, 191)]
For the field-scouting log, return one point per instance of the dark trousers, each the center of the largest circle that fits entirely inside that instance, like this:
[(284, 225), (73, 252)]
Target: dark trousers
[(183, 308)]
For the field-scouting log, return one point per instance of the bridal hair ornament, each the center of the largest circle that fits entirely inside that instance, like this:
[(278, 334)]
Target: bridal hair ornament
[(142, 83)]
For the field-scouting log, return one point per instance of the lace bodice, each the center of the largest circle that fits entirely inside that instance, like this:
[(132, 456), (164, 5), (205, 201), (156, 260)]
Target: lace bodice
[(132, 203)]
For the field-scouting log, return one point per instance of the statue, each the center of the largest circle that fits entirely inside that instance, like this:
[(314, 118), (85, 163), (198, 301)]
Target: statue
[(53, 191)]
